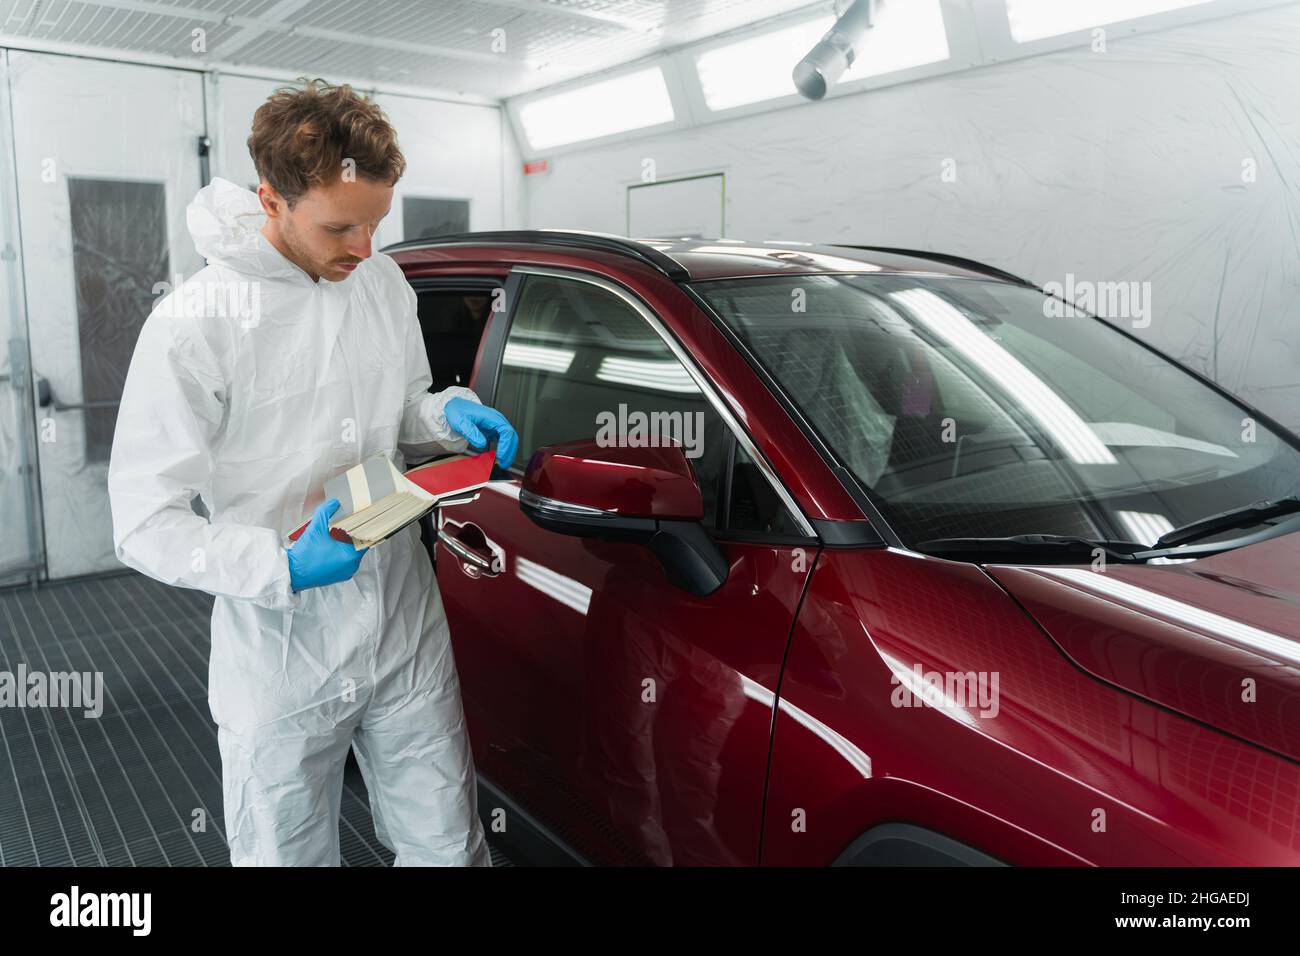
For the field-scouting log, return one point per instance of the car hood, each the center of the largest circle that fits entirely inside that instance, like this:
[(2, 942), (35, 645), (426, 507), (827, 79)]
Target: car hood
[(1216, 639)]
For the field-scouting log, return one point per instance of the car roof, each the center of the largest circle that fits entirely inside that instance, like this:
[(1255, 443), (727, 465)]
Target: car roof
[(691, 259)]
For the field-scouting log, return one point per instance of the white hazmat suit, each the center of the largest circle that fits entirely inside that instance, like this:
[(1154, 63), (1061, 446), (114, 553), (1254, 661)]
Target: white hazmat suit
[(250, 385)]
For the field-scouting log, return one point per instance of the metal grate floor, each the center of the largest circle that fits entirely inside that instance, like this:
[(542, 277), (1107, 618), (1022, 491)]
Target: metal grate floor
[(123, 789)]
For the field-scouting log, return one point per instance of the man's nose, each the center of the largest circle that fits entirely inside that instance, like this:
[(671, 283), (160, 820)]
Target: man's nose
[(362, 246)]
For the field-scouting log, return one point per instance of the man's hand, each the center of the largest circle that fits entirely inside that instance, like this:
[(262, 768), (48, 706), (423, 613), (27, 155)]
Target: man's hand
[(471, 420), (316, 559)]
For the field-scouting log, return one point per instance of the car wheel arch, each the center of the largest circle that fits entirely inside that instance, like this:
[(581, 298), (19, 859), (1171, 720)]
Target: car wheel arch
[(905, 844)]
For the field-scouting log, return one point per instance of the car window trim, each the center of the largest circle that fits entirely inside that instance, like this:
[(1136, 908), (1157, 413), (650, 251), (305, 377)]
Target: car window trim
[(454, 283)]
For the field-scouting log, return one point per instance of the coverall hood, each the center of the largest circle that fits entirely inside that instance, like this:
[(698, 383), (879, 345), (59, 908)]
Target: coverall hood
[(225, 220)]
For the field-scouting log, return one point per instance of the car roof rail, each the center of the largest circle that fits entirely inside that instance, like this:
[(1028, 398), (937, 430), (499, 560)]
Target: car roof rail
[(971, 264), (593, 241)]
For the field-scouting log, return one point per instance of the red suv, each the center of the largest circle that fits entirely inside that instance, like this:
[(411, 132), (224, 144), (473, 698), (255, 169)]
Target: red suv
[(827, 554)]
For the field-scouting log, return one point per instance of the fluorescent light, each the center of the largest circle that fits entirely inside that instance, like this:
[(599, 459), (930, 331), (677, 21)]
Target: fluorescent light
[(537, 356), (757, 68), (1243, 636), (1145, 527), (1037, 399), (933, 695), (907, 33), (1035, 19), (853, 755), (1133, 434), (662, 376), (632, 101), (564, 589)]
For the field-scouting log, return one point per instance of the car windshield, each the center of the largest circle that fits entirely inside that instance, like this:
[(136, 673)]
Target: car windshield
[(972, 408)]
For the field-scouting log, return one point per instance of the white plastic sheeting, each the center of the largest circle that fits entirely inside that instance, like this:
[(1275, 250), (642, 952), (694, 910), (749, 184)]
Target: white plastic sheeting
[(1131, 165)]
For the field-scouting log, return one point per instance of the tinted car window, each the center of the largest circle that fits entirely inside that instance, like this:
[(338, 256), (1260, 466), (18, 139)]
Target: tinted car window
[(579, 362), (968, 407), (754, 506)]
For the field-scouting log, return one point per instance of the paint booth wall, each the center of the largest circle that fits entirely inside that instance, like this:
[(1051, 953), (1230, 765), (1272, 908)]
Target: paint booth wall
[(1172, 159)]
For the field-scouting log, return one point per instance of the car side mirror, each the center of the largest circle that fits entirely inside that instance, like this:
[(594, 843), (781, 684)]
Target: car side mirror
[(644, 496)]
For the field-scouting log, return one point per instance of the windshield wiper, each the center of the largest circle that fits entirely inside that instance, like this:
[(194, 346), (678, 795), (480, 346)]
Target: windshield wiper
[(1065, 549), (1247, 517)]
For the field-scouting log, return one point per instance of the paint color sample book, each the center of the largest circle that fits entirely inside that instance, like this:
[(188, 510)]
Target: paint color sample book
[(376, 500)]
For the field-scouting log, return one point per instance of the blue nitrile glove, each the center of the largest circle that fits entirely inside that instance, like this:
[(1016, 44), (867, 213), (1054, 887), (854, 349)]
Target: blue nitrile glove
[(472, 419), (316, 559)]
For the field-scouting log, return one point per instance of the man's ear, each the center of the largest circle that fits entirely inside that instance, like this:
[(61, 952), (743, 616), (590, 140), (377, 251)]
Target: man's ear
[(273, 203)]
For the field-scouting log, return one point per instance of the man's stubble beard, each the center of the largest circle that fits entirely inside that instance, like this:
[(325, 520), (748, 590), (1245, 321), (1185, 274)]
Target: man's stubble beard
[(303, 257)]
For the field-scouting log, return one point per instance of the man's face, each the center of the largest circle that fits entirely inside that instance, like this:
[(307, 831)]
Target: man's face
[(328, 232)]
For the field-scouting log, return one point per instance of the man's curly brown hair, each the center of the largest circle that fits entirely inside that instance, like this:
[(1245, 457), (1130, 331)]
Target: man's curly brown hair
[(303, 134)]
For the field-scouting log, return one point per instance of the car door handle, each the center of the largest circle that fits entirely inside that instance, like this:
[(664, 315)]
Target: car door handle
[(482, 565)]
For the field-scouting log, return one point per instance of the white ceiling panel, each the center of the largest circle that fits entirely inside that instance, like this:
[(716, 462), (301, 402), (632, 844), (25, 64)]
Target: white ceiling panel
[(443, 44)]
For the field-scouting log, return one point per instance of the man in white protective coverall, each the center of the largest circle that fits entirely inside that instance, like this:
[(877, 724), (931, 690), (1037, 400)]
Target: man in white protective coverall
[(292, 356)]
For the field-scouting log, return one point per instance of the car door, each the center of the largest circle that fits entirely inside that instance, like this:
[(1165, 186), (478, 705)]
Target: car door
[(627, 716), (452, 311)]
